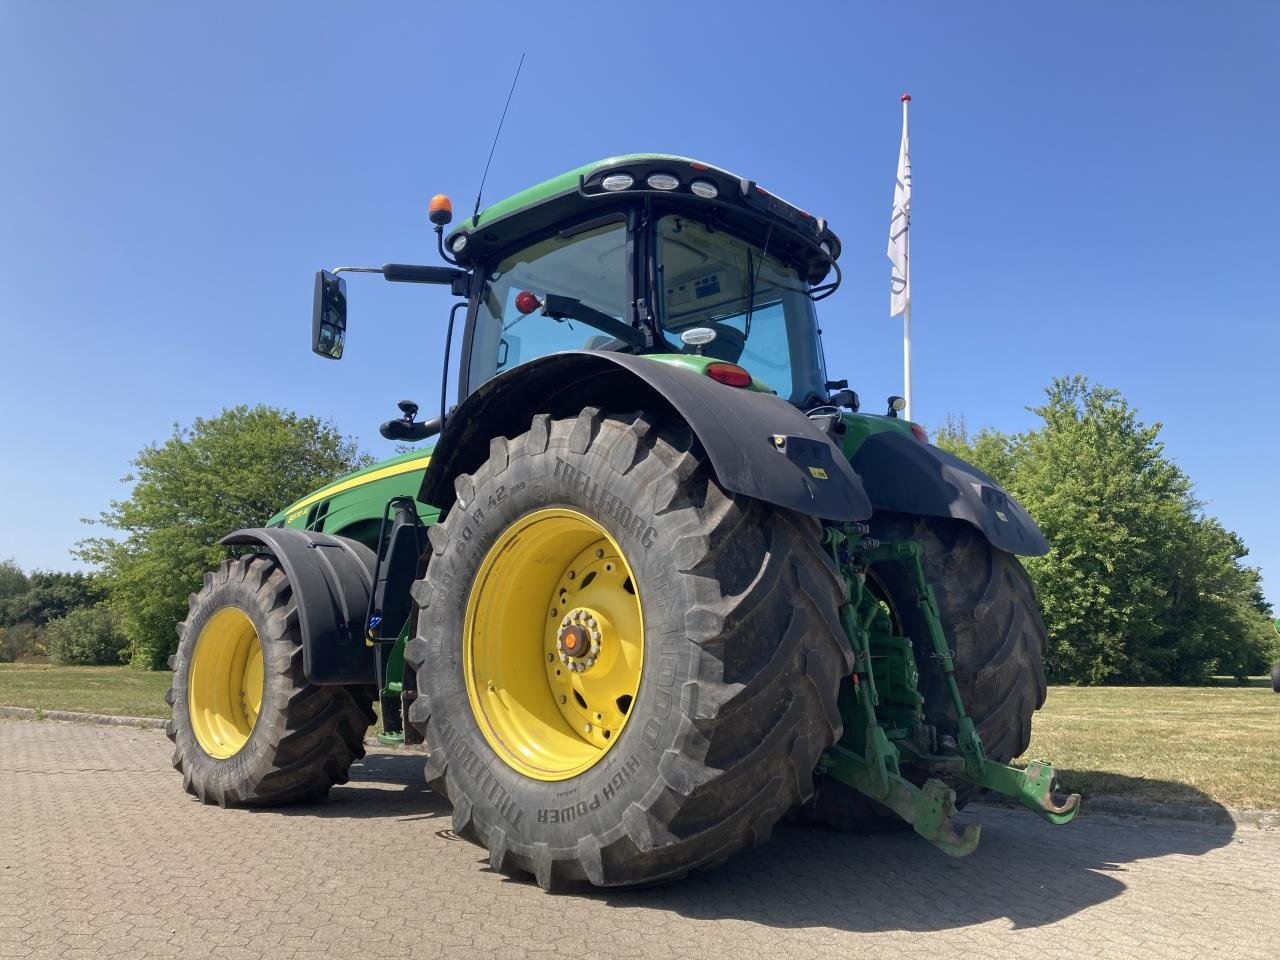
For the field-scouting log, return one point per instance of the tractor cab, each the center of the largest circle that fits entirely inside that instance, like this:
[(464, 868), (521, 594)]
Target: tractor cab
[(645, 254), (681, 258)]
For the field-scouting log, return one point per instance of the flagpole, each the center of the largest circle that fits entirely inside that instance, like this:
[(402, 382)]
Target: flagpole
[(906, 359), (906, 313)]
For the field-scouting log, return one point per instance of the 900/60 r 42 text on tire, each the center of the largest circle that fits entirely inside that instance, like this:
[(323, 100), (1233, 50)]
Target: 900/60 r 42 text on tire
[(603, 543), (247, 728)]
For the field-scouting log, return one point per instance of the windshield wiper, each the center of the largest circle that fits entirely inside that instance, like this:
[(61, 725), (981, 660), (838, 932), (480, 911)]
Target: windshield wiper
[(753, 275), (567, 308)]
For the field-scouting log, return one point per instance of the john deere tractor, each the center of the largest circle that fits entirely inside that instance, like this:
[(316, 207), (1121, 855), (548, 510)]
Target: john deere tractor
[(659, 582)]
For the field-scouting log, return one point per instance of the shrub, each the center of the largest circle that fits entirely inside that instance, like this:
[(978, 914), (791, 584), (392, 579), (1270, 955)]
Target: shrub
[(21, 640), (88, 635)]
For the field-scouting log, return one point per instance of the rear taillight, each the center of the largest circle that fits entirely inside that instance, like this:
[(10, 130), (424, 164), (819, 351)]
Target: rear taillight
[(729, 373), (918, 432)]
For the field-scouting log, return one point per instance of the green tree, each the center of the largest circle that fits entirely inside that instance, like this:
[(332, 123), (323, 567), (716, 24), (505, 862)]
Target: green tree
[(47, 596), (1109, 502), (13, 582), (989, 450), (1139, 586), (206, 480)]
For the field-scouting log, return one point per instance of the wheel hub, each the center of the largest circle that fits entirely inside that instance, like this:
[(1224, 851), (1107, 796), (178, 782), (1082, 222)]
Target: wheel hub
[(578, 639)]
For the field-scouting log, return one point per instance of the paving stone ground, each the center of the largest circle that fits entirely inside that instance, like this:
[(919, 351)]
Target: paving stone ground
[(103, 856)]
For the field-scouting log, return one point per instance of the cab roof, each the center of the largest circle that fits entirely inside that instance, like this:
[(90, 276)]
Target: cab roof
[(749, 208)]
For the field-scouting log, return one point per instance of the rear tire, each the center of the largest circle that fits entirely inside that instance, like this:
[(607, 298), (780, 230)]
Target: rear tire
[(303, 737), (1275, 678), (742, 655), (992, 622)]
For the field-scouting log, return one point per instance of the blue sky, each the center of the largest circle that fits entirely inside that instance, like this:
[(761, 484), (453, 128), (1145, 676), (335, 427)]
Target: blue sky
[(1095, 192)]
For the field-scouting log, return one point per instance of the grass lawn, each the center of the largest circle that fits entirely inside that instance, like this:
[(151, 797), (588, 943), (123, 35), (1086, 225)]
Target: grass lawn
[(122, 691), (1191, 745), (1196, 745)]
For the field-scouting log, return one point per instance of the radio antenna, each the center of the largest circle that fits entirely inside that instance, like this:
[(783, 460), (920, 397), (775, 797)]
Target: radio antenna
[(497, 133)]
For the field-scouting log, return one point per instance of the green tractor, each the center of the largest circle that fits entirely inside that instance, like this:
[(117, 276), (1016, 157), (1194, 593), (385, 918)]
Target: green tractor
[(658, 583)]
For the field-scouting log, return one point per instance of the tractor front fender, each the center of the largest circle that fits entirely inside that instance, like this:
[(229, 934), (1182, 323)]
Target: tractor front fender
[(332, 579), (904, 475), (759, 445)]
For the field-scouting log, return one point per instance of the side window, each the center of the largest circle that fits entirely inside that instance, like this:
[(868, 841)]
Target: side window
[(758, 306), (590, 267), (767, 352)]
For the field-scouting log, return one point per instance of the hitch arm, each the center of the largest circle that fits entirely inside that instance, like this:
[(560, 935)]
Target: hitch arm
[(929, 809), (1032, 787)]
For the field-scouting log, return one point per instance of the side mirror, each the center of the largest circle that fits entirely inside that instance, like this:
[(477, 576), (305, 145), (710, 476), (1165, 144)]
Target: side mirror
[(329, 316)]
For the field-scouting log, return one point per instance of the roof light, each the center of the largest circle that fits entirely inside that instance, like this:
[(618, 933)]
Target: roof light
[(728, 373), (705, 189), (919, 433), (458, 243), (440, 210), (662, 181), (617, 181)]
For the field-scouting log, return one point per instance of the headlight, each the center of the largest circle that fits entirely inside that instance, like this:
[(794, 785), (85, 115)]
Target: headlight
[(662, 181)]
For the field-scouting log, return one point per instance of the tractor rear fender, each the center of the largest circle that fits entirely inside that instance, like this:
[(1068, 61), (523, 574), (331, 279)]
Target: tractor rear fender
[(332, 579), (759, 445), (904, 475)]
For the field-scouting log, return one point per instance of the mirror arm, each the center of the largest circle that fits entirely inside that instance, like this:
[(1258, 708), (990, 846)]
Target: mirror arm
[(337, 270), (410, 273), (406, 429)]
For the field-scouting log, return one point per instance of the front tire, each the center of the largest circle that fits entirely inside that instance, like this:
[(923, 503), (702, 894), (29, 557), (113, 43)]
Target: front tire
[(736, 649), (247, 727), (991, 620)]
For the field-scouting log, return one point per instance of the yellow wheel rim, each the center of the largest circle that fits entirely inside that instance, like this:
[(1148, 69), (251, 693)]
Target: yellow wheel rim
[(553, 644), (224, 686)]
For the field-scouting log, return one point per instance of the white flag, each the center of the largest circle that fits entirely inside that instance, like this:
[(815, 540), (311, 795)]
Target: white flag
[(900, 230)]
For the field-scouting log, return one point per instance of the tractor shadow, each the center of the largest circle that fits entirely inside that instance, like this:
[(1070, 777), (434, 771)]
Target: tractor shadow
[(1025, 870), (382, 785)]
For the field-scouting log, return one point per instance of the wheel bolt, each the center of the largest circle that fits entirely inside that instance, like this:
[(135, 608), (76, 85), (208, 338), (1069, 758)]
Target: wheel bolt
[(563, 698)]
